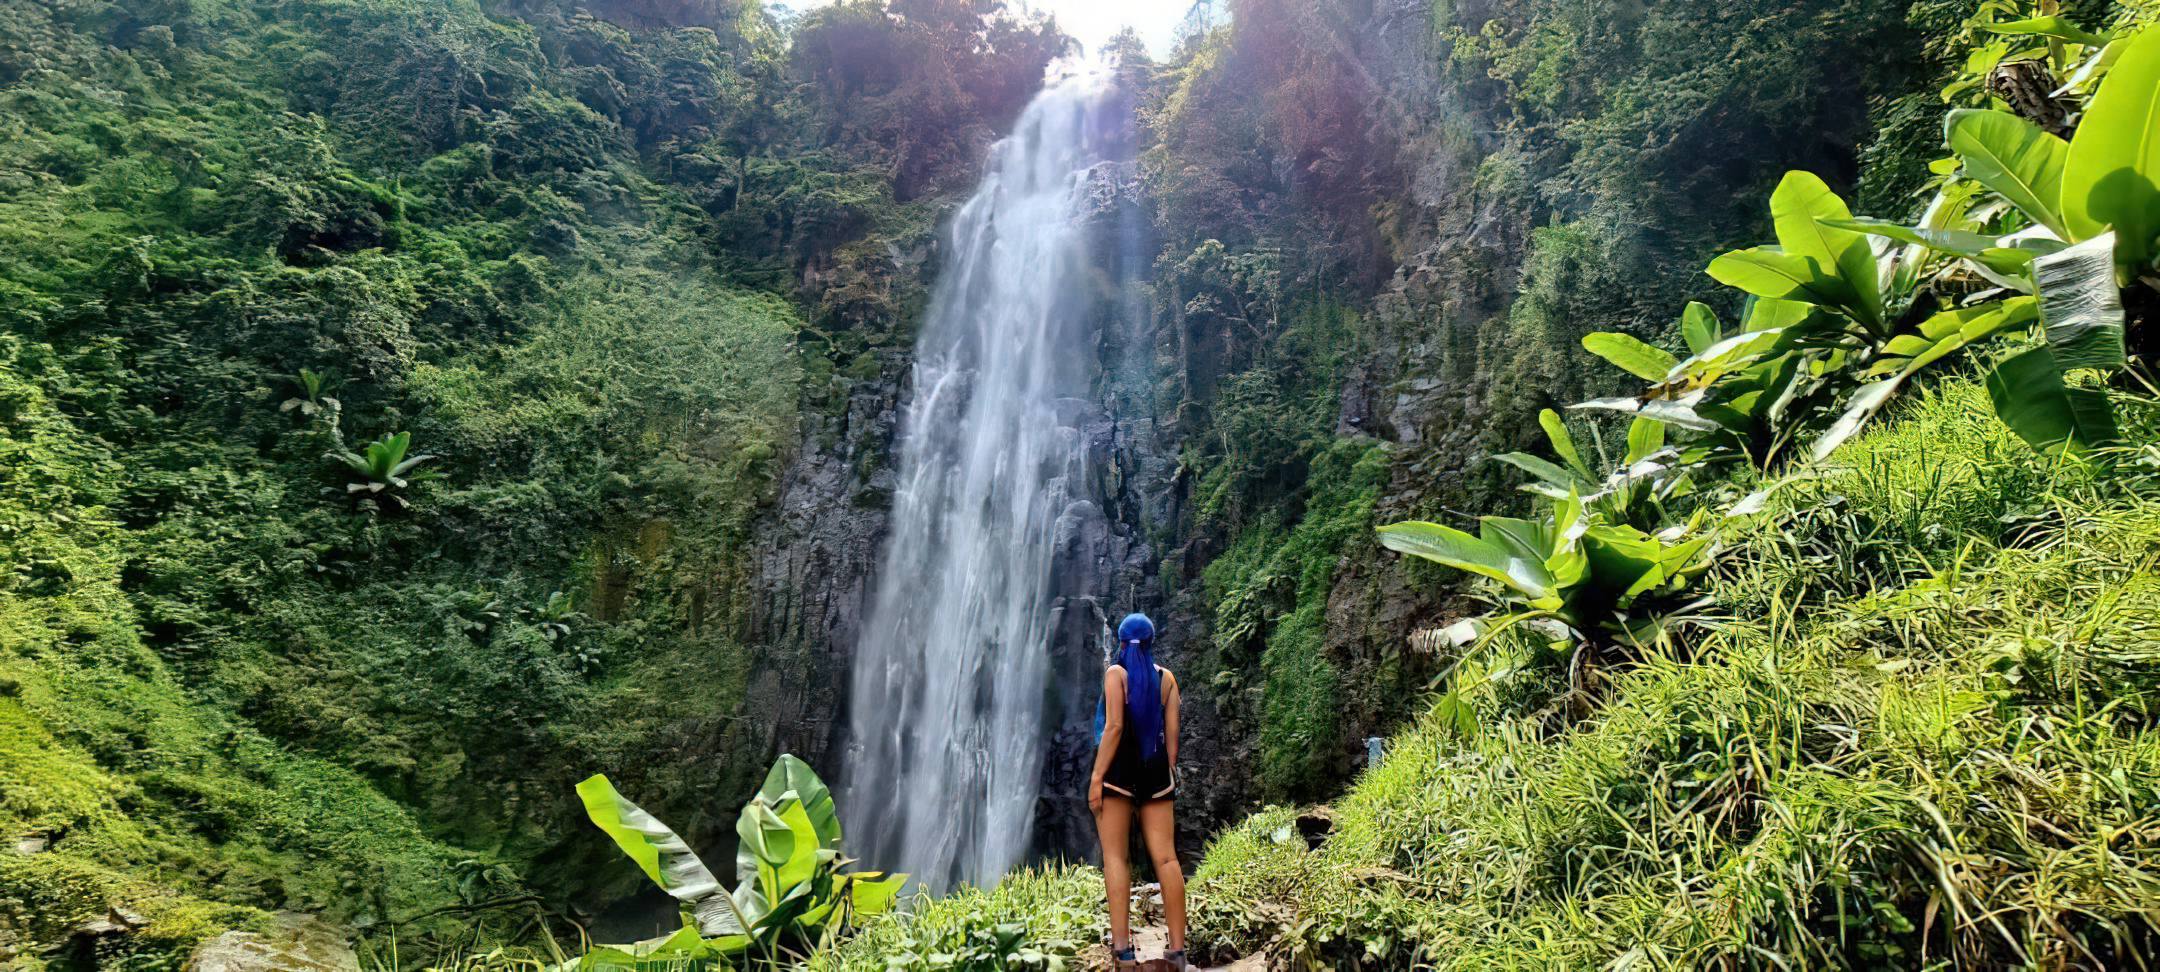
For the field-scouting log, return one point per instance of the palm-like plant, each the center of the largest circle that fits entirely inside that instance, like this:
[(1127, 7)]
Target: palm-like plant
[(383, 470), (2072, 223), (1633, 494), (791, 884), (313, 398), (1602, 582)]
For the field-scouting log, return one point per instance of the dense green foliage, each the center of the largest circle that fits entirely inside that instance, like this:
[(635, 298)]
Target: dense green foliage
[(1910, 721), (1034, 922), (394, 395), (1905, 758), (1482, 197), (1834, 327), (392, 391)]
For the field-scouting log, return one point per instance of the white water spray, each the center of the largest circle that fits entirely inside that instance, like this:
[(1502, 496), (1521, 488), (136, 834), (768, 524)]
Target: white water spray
[(946, 748)]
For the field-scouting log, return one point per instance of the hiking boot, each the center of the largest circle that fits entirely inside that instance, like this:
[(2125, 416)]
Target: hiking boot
[(1125, 959)]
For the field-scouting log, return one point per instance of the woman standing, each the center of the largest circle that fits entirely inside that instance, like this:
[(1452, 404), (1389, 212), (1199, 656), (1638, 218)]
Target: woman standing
[(1136, 774)]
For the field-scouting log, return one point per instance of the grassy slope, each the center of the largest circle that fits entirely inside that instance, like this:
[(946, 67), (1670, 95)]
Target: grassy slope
[(1921, 726), (223, 689)]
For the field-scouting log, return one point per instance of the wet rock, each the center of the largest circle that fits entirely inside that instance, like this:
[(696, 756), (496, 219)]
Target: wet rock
[(84, 942), (298, 943)]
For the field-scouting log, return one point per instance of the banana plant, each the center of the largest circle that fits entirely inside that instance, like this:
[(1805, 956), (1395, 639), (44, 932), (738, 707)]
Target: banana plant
[(383, 470), (2090, 206), (1823, 302), (791, 884), (1633, 493), (1602, 582), (1733, 391), (314, 398)]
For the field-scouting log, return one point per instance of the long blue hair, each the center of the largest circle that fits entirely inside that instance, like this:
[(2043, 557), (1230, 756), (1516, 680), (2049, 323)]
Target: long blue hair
[(1143, 687)]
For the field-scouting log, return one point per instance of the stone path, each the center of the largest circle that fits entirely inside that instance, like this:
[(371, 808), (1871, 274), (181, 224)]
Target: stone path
[(1151, 938), (1150, 941)]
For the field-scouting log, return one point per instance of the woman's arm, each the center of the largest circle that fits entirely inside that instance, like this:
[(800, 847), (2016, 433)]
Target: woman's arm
[(1169, 726), (1113, 692)]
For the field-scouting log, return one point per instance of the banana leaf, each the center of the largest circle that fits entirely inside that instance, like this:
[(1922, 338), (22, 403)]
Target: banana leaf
[(1522, 573), (1699, 327), (1644, 438), (1629, 354), (2111, 170), (2081, 306), (2033, 398), (2049, 26), (791, 775), (2016, 159), (1769, 272), (1563, 444), (662, 855), (1800, 208)]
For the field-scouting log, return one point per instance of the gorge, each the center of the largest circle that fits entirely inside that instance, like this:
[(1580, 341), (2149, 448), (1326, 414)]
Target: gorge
[(410, 408)]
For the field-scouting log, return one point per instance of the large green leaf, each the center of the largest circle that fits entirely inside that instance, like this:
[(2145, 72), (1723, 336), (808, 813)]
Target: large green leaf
[(1699, 327), (1552, 480), (1526, 576), (2016, 159), (1800, 206), (1620, 557), (872, 893), (1769, 314), (805, 857), (1680, 413), (1648, 362), (1644, 437), (661, 854), (2081, 305), (2114, 164), (1732, 354), (1767, 272), (1949, 331), (762, 839), (2050, 26), (791, 775), (683, 947), (1563, 444), (1960, 243), (2033, 399), (1529, 539)]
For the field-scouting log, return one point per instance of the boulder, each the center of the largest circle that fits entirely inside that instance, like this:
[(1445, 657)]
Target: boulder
[(297, 943)]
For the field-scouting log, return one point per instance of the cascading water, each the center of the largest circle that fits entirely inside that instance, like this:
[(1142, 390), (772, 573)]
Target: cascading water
[(945, 753)]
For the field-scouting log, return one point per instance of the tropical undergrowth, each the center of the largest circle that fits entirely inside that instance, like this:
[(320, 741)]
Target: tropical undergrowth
[(389, 394), (1920, 728), (1834, 692), (1917, 727)]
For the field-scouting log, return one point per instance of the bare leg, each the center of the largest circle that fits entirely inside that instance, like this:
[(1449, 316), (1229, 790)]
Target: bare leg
[(1114, 825), (1159, 828)]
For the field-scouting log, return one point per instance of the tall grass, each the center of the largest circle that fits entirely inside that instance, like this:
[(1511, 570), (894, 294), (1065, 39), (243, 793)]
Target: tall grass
[(1923, 734)]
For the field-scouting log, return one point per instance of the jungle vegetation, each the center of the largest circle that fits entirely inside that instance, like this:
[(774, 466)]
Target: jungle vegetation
[(394, 394)]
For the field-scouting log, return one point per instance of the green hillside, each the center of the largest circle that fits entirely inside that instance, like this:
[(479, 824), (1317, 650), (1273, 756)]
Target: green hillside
[(1712, 446)]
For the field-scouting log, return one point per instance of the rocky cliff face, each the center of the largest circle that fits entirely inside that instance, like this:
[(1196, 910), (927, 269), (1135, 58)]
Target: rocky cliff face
[(1374, 158)]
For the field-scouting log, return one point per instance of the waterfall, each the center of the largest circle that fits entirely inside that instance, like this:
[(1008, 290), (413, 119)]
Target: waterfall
[(947, 737)]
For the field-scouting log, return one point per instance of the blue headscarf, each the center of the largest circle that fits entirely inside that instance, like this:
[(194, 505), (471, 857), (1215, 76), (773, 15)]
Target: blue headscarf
[(1143, 687)]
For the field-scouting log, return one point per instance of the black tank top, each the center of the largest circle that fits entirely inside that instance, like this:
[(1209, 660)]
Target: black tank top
[(1130, 775)]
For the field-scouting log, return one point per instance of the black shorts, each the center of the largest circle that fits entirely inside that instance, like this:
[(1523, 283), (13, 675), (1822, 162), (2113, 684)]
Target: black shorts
[(1140, 780)]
